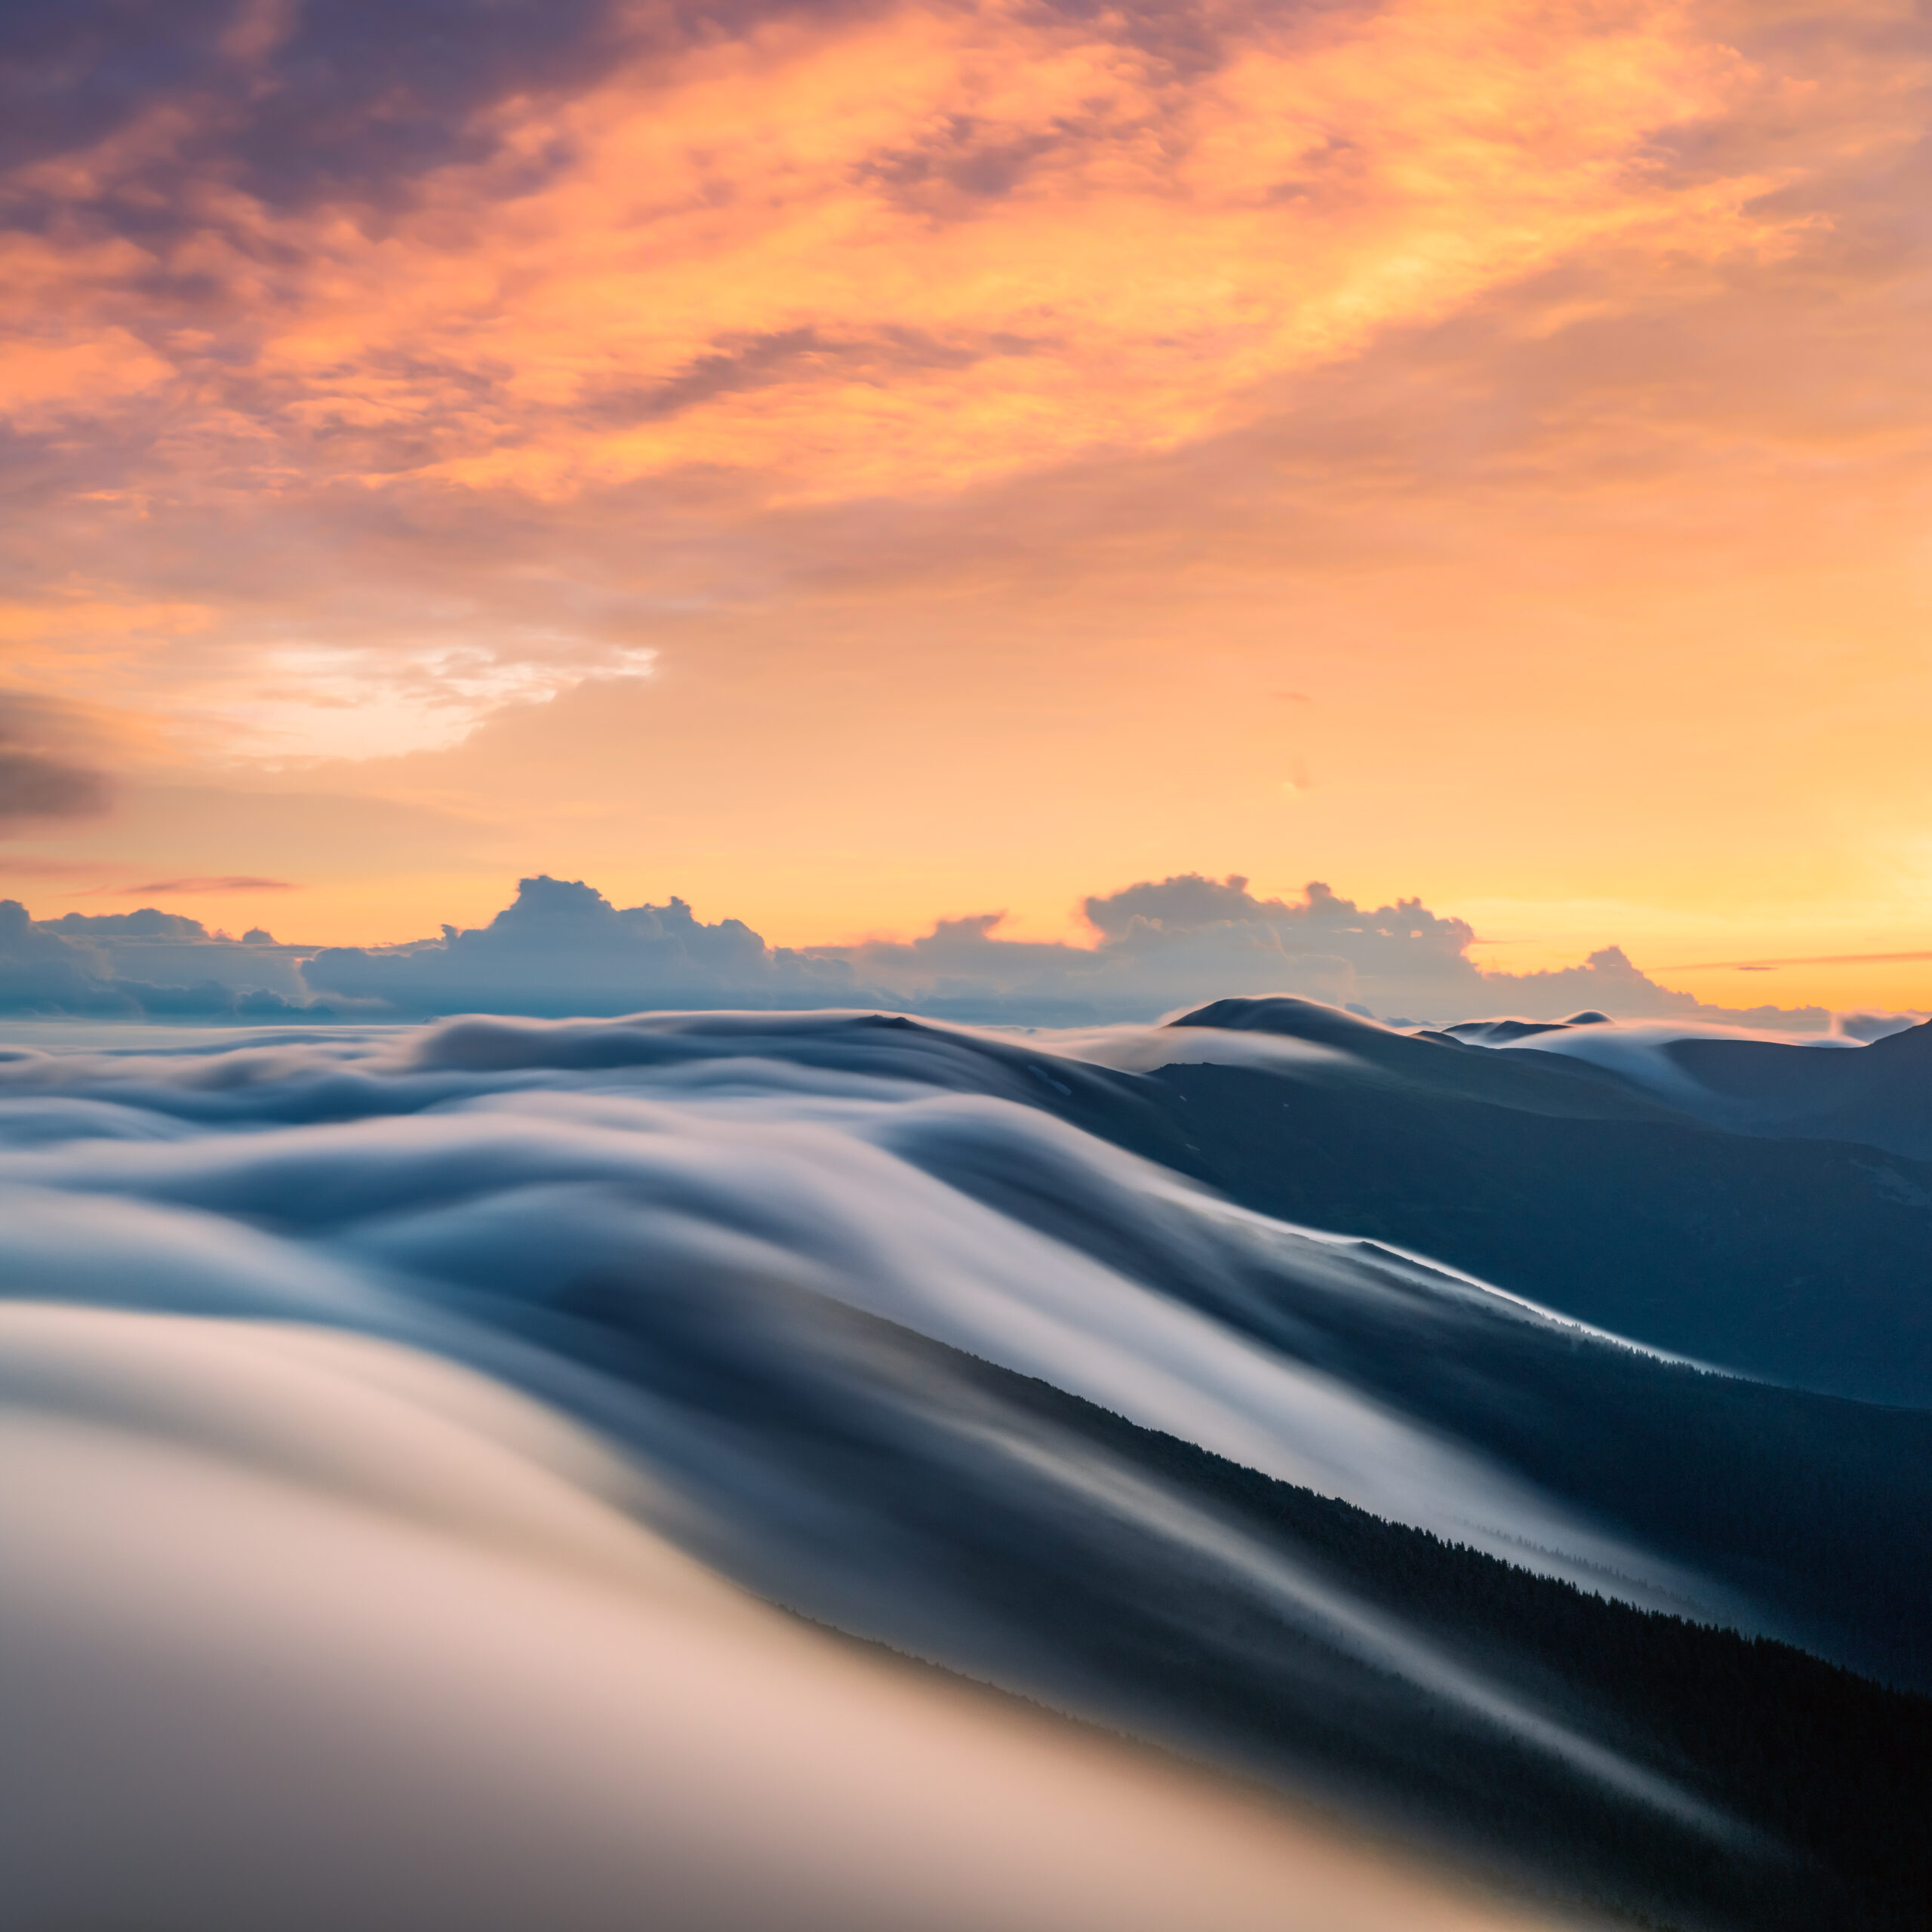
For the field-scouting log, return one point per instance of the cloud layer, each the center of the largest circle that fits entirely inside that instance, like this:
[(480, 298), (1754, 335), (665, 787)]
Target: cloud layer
[(1158, 945), (382, 1414), (562, 949), (135, 965)]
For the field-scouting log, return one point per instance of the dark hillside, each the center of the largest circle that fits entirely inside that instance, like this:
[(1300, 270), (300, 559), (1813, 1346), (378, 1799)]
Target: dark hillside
[(1018, 1532), (1804, 1261)]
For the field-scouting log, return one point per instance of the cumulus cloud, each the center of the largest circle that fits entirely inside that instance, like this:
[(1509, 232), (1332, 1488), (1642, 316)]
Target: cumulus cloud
[(1187, 939), (1608, 982), (148, 923), (562, 948), (126, 965), (39, 969)]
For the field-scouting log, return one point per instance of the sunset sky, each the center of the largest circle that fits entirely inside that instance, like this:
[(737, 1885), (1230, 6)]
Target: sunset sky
[(854, 464)]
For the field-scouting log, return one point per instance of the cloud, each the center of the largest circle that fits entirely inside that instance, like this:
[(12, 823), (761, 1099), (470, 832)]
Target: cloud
[(563, 947), (786, 334), (1056, 229), (145, 924), (232, 882), (40, 970), (1866, 1027), (620, 1734), (32, 786), (341, 100), (39, 778), (1188, 939), (347, 1468), (148, 963), (1607, 983), (1172, 942)]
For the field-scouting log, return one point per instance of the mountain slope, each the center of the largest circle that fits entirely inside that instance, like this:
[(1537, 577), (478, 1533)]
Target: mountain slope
[(1805, 1261), (1592, 1750)]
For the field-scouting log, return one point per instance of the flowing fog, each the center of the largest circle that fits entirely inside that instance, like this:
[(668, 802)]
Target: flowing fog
[(306, 1630), (402, 1427)]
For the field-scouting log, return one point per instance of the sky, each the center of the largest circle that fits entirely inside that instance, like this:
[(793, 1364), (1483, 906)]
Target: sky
[(856, 466)]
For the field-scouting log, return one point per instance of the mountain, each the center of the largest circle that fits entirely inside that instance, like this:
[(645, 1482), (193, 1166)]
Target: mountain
[(1795, 1258), (1879, 1095)]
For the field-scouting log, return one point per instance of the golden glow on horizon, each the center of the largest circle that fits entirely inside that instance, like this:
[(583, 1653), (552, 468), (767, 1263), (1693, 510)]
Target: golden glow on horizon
[(1474, 450)]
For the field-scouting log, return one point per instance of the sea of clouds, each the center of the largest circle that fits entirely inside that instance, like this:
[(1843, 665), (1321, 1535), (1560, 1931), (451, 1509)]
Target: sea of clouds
[(396, 1474)]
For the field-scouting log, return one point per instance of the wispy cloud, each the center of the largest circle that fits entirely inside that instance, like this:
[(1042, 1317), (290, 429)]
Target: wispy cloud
[(43, 773), (563, 250), (234, 882), (1813, 959)]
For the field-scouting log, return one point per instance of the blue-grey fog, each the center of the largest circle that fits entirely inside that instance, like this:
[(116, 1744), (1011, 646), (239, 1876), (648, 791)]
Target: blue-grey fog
[(442, 1457)]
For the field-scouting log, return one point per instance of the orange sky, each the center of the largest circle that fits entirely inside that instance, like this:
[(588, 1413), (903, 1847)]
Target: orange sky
[(850, 464)]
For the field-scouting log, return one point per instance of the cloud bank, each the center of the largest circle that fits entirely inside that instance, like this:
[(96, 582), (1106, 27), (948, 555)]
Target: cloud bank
[(147, 964), (562, 949), (1159, 944)]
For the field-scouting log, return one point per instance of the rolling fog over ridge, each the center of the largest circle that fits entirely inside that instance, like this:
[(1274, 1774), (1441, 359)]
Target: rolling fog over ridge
[(1104, 1367)]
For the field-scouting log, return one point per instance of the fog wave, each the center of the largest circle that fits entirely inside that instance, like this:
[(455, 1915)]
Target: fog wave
[(420, 1414), (307, 1630)]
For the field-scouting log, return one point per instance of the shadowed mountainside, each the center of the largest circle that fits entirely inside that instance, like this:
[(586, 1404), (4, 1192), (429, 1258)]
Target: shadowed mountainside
[(1880, 1094), (1803, 1260), (1154, 1584)]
